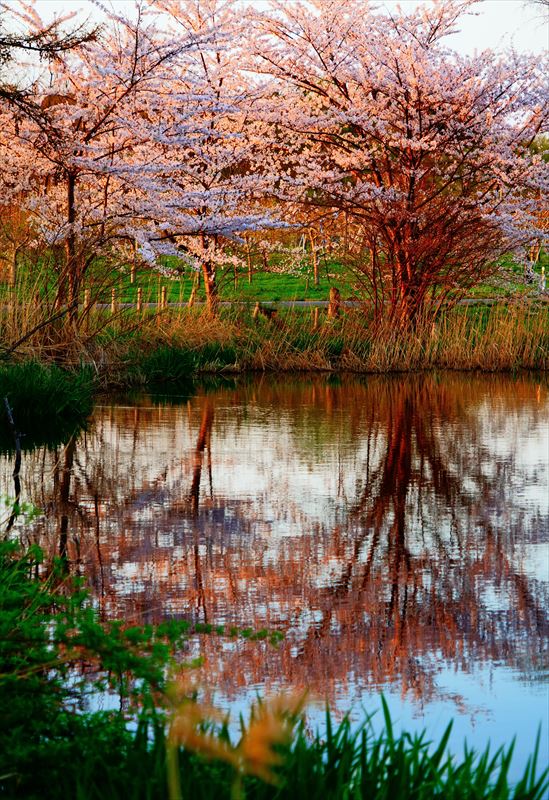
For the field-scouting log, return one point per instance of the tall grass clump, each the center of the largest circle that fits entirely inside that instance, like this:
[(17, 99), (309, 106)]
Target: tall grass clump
[(47, 402), (27, 317), (179, 364), (465, 338), (495, 338), (58, 661)]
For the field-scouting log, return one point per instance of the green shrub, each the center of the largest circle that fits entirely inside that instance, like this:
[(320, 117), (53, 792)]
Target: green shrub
[(167, 364), (48, 403), (215, 355)]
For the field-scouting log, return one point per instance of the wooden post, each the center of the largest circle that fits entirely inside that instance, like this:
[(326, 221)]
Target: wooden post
[(163, 299), (139, 299), (113, 301), (315, 318), (334, 307)]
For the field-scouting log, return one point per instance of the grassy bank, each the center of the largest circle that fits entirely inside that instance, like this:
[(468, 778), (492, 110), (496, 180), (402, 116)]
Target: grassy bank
[(170, 347), (50, 378), (47, 402), (165, 741)]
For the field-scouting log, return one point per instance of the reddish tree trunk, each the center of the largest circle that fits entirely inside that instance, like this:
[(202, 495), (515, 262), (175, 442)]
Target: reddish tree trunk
[(210, 285)]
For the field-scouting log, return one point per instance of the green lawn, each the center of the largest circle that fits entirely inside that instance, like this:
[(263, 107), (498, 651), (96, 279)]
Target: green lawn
[(271, 286), (277, 286), (264, 286)]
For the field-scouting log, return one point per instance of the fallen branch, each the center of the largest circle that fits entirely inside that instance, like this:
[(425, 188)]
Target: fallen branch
[(17, 466)]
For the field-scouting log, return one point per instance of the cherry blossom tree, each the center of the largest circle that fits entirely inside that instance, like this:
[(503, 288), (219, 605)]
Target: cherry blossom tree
[(22, 31), (149, 138), (200, 189), (66, 168), (415, 161), (420, 154)]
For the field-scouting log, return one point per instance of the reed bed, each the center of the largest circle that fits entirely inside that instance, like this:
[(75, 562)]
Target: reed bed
[(126, 349), (491, 339)]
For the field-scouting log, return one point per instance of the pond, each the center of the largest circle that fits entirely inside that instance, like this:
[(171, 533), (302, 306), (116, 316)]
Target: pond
[(395, 529)]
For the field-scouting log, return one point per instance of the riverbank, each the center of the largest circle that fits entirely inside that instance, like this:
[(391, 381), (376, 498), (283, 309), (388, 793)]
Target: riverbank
[(51, 378), (128, 350), (42, 402)]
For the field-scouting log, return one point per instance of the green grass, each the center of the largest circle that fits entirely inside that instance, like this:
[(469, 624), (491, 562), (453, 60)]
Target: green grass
[(48, 403), (55, 654), (275, 286), (180, 364), (271, 285), (265, 286)]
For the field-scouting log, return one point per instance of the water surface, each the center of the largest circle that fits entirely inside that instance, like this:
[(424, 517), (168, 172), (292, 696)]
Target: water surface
[(396, 530)]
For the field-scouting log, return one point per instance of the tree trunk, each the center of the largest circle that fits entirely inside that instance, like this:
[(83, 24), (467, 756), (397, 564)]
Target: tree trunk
[(133, 268), (12, 278), (71, 251), (334, 307), (61, 267), (406, 298), (249, 258), (210, 285)]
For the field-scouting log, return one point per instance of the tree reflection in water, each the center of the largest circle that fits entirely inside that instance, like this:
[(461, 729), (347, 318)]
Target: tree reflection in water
[(388, 525)]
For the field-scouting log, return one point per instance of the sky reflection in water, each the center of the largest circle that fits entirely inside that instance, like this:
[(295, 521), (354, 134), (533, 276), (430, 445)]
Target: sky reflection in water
[(396, 529)]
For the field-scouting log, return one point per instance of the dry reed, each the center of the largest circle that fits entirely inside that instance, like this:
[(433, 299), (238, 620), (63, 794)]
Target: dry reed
[(500, 337)]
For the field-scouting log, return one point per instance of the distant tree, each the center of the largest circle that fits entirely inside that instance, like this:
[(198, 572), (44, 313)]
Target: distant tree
[(418, 156)]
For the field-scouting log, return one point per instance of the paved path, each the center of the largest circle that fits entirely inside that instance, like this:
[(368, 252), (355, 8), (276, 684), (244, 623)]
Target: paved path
[(467, 301)]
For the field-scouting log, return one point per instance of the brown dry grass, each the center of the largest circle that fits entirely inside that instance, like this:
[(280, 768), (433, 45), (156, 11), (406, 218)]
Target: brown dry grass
[(501, 337)]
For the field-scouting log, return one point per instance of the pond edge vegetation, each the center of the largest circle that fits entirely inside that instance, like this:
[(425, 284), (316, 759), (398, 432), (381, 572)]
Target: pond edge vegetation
[(174, 347)]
